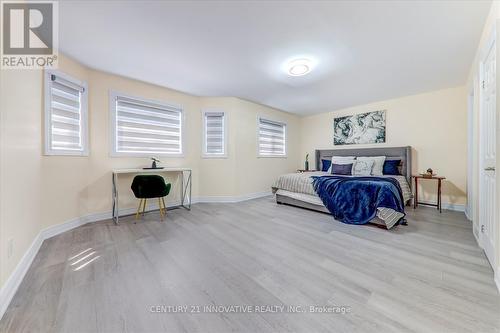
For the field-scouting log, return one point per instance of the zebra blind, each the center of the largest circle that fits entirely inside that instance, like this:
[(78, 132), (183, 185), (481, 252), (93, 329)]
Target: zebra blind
[(214, 133), (272, 138), (66, 116), (143, 127)]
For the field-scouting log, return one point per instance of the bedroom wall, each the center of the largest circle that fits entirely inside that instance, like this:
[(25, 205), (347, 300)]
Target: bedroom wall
[(43, 191), (235, 175), (256, 174), (36, 190), (434, 124), (101, 163)]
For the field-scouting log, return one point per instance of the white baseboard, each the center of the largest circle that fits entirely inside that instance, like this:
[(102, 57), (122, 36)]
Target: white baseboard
[(95, 217), (12, 284), (10, 287), (496, 273), (468, 215), (448, 206), (475, 232), (232, 199), (455, 207)]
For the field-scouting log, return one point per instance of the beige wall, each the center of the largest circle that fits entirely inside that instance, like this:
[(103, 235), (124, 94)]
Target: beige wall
[(54, 190), (247, 162), (36, 191), (235, 175), (101, 163), (39, 191), (20, 150), (434, 124)]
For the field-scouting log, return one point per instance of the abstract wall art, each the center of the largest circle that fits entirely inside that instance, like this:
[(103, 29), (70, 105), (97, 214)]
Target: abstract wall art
[(360, 128)]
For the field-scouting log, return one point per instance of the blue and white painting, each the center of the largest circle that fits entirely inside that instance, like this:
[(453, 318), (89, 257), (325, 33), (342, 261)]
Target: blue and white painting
[(361, 128)]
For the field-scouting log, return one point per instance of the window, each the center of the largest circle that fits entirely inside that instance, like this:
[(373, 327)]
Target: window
[(272, 138), (144, 128), (66, 116), (214, 134)]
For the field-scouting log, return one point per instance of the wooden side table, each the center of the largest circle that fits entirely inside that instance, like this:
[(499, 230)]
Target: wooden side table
[(415, 199)]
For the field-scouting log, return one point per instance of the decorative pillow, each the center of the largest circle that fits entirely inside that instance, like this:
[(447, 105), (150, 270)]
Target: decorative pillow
[(391, 167), (343, 159), (378, 164), (325, 165), (342, 169), (362, 168)]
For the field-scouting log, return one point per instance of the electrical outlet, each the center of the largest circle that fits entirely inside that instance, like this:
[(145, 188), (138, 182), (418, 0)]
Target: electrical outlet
[(10, 247)]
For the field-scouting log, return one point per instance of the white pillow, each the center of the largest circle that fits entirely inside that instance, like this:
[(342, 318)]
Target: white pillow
[(342, 160), (362, 168), (378, 164)]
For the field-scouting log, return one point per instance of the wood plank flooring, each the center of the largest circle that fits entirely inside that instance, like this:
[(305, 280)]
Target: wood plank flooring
[(429, 276)]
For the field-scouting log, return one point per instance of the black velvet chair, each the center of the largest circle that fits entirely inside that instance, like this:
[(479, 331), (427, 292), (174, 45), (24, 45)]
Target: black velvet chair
[(148, 187)]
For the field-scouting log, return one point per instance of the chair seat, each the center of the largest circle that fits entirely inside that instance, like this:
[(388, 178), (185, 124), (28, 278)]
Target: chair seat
[(150, 186)]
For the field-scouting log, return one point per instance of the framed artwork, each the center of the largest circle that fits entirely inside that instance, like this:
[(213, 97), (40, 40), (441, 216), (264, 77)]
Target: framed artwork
[(360, 128)]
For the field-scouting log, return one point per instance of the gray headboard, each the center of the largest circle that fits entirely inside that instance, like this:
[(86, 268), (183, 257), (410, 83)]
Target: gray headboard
[(403, 153)]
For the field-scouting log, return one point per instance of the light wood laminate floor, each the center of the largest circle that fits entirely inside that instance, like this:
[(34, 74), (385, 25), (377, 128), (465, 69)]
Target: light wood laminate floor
[(429, 276)]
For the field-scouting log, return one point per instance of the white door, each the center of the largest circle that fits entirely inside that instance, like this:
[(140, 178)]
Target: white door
[(487, 205)]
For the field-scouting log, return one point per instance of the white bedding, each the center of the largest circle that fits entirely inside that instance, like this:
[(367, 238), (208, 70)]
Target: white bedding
[(299, 186)]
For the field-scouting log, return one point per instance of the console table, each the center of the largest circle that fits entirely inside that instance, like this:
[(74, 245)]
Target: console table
[(185, 185), (439, 181)]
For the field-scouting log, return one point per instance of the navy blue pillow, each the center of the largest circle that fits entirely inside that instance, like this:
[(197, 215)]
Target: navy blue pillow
[(325, 165), (342, 169), (391, 167)]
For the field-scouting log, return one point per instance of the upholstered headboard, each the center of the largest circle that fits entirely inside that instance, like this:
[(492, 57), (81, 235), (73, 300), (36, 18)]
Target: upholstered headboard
[(403, 153)]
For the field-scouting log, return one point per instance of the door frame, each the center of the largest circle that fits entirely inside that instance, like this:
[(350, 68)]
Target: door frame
[(484, 53), (471, 111)]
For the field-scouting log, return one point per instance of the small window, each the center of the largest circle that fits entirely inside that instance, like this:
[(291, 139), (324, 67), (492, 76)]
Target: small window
[(144, 128), (66, 116), (272, 138), (214, 134)]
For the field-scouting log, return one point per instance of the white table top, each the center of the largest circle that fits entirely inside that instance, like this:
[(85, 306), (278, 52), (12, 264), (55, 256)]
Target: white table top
[(141, 170)]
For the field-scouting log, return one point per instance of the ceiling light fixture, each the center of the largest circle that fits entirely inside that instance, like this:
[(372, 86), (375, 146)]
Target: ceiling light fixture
[(299, 67)]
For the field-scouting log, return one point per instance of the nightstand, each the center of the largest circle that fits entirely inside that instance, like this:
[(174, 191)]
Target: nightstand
[(439, 181)]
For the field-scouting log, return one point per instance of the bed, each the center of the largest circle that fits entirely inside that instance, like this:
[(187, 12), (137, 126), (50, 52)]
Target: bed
[(296, 189)]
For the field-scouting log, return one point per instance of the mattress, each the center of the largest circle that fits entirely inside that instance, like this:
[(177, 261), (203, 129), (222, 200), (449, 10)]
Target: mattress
[(299, 186)]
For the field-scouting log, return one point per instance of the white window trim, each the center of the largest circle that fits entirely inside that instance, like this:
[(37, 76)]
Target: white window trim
[(204, 154), (259, 155), (48, 151), (113, 94)]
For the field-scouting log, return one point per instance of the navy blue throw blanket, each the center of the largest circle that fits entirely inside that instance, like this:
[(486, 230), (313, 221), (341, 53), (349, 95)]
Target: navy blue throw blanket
[(354, 200)]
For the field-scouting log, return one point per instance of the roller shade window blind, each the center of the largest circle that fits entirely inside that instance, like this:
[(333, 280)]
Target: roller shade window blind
[(272, 138), (146, 127), (214, 139), (65, 115)]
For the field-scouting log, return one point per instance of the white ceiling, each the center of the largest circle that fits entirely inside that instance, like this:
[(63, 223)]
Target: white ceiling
[(366, 50)]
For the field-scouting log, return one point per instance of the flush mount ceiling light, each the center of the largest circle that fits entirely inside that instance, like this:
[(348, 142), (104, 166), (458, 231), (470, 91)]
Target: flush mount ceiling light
[(299, 67)]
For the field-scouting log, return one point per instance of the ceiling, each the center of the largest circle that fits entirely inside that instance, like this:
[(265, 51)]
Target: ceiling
[(365, 51)]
